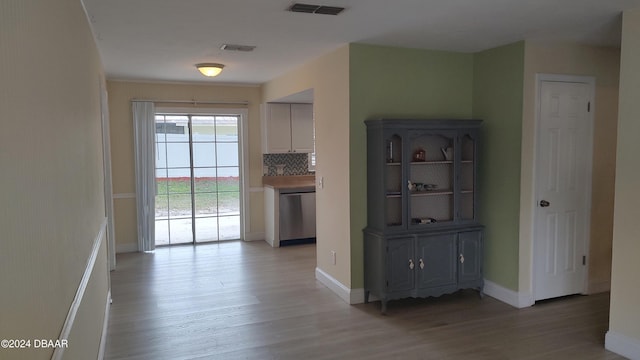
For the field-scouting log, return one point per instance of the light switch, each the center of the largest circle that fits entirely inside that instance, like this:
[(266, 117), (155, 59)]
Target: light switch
[(321, 182)]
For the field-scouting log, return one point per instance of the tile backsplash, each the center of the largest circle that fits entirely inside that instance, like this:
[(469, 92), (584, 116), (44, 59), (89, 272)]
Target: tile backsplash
[(294, 164)]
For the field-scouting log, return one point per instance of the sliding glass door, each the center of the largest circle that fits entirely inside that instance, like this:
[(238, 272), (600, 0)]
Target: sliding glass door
[(198, 178)]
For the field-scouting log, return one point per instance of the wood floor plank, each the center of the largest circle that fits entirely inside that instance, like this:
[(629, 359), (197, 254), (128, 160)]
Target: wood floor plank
[(239, 300)]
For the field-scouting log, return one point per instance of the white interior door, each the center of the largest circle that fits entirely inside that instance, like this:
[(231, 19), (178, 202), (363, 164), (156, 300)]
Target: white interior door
[(563, 173)]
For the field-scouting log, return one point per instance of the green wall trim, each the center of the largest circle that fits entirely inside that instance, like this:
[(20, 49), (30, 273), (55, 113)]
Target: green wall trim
[(498, 84)]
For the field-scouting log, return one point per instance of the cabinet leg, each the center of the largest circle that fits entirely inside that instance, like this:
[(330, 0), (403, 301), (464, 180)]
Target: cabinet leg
[(366, 296), (481, 293), (383, 309)]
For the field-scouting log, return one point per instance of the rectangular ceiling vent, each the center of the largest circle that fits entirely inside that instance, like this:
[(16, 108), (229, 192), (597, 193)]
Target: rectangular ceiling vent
[(315, 9), (234, 47)]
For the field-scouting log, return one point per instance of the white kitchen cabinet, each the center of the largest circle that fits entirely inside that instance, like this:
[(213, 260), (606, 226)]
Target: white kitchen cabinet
[(287, 128), (302, 128)]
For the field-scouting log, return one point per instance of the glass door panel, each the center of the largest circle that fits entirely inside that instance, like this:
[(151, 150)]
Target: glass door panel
[(393, 181), (207, 229), (198, 179), (229, 227), (173, 211), (467, 178), (431, 180)]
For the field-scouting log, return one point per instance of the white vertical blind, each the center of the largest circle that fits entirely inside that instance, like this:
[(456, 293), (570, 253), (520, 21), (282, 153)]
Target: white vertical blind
[(144, 150)]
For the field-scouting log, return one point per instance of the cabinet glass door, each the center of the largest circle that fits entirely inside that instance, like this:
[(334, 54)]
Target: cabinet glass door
[(467, 177), (393, 181), (431, 179)]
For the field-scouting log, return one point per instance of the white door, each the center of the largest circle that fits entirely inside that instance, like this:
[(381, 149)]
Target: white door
[(563, 172)]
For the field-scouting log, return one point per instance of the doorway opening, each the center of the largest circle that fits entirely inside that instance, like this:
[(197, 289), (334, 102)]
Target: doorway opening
[(198, 178)]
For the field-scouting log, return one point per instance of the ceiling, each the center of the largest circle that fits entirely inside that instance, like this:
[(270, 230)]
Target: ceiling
[(162, 40)]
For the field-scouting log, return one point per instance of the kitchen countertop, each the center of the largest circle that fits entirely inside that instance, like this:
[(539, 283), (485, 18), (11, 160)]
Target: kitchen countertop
[(289, 182)]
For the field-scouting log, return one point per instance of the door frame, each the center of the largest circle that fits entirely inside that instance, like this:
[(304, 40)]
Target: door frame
[(106, 169), (243, 155), (590, 81)]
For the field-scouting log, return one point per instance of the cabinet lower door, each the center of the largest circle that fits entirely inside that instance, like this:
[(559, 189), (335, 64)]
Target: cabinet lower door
[(401, 266), (469, 256), (436, 263)]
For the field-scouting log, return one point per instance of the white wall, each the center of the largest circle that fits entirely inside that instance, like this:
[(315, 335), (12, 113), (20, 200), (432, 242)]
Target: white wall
[(624, 324), (51, 177)]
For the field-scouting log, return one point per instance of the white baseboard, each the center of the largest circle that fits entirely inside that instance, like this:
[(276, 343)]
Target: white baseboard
[(126, 248), (622, 345), (348, 295), (508, 296), (58, 352), (105, 325), (254, 236)]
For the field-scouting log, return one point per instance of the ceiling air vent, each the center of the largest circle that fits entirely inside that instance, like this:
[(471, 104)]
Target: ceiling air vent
[(233, 47), (316, 9)]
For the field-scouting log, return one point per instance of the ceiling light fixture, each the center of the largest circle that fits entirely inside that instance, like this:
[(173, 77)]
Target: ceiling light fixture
[(210, 69)]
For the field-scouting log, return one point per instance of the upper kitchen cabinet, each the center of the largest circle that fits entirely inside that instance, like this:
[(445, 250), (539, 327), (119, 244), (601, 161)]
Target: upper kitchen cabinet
[(287, 128)]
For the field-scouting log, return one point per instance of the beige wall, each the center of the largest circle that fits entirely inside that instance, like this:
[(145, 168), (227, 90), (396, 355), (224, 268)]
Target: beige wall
[(625, 290), (328, 76), (90, 312), (603, 64), (122, 157), (51, 177)]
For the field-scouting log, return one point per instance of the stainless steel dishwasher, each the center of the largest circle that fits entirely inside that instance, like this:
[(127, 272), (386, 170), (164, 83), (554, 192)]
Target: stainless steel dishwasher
[(297, 214)]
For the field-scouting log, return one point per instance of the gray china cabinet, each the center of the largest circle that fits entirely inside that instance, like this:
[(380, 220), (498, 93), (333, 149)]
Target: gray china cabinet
[(422, 237)]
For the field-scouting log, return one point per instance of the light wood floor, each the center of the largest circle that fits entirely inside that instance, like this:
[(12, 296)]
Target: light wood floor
[(249, 301)]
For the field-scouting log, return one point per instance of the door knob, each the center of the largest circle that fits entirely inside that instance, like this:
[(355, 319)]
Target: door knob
[(421, 264), (411, 266), (544, 203)]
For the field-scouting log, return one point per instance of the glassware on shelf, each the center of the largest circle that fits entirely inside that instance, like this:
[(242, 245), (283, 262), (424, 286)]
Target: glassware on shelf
[(447, 153)]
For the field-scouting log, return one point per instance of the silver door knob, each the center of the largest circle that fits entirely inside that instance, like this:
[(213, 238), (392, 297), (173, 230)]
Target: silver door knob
[(544, 203), (421, 264), (411, 265), (461, 259)]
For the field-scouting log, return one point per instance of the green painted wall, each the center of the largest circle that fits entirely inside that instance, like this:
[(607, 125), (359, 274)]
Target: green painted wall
[(399, 83), (497, 99)]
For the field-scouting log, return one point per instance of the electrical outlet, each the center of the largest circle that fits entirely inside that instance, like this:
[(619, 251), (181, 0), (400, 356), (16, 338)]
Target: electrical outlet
[(333, 257)]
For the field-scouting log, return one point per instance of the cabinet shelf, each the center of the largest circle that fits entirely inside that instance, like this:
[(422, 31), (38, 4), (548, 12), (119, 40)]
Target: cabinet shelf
[(394, 195), (431, 162), (431, 193), (466, 192), (394, 164), (467, 161)]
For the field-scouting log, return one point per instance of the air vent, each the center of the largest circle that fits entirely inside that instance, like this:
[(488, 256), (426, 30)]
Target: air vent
[(316, 9), (233, 47)]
